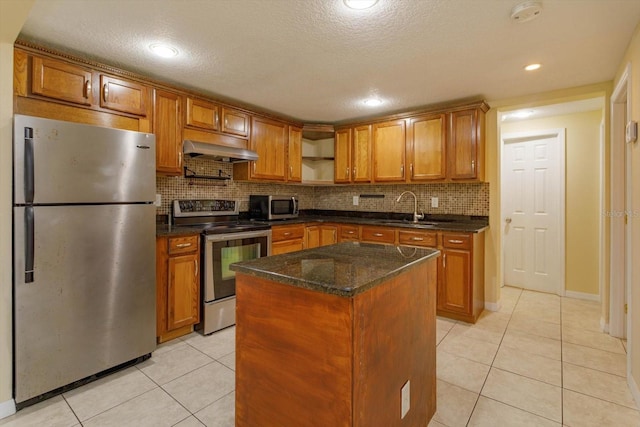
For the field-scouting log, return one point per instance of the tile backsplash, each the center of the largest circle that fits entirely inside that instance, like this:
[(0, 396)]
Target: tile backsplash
[(453, 198)]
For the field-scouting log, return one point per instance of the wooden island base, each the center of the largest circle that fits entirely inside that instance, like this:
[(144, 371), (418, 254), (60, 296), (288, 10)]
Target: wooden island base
[(307, 358)]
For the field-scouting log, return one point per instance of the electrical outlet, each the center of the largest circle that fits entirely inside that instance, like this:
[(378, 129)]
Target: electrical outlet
[(356, 200), (406, 399), (434, 202), (158, 201)]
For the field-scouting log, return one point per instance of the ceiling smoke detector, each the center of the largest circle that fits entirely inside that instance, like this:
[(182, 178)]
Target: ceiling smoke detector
[(526, 11)]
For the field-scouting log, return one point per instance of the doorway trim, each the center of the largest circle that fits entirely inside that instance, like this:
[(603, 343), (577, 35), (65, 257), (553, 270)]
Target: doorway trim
[(618, 276), (560, 135)]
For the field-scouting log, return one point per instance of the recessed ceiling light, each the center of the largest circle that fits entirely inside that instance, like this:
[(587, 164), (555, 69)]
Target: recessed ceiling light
[(372, 102), (532, 67), (163, 50), (360, 4)]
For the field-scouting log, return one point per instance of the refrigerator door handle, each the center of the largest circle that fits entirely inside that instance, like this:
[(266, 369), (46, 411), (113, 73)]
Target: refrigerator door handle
[(29, 247), (28, 166)]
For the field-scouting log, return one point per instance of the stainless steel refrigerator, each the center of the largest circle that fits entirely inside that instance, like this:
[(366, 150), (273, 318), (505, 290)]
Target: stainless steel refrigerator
[(83, 252)]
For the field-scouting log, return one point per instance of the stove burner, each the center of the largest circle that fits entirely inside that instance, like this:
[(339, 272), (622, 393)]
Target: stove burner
[(212, 216)]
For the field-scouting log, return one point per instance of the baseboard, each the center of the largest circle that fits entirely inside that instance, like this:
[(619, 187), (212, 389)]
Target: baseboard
[(635, 391), (492, 306), (604, 325), (7, 408), (582, 295)]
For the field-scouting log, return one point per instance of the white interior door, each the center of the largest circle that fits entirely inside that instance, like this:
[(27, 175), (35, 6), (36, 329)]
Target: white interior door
[(533, 210)]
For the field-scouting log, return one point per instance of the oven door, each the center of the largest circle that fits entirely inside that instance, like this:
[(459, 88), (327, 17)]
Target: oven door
[(222, 250)]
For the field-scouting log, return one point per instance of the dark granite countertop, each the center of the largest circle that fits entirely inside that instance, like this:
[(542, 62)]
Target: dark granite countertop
[(165, 230), (343, 269), (463, 225)]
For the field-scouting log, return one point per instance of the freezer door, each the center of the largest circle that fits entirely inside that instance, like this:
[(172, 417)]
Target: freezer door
[(63, 162), (90, 304)]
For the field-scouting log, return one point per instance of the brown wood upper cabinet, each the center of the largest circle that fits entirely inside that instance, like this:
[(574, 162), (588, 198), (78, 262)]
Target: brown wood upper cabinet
[(465, 149), (123, 95), (352, 151), (167, 125), (60, 80), (426, 140), (294, 154), (235, 122), (202, 114), (207, 115), (269, 140), (342, 156), (389, 151)]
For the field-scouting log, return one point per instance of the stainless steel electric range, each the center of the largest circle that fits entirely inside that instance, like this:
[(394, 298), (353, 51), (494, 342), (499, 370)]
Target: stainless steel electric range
[(224, 240)]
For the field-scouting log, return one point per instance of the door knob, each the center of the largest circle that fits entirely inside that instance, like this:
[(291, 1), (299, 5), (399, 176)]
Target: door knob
[(507, 220)]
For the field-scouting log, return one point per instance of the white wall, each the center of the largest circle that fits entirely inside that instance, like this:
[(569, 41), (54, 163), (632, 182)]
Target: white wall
[(13, 13)]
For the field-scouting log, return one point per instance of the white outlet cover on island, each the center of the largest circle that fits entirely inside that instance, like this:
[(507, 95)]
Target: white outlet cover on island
[(406, 399)]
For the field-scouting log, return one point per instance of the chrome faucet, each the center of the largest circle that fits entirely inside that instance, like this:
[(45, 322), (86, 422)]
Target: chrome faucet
[(416, 216)]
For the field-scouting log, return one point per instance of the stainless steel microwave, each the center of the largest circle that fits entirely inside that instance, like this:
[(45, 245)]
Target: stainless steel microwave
[(273, 207)]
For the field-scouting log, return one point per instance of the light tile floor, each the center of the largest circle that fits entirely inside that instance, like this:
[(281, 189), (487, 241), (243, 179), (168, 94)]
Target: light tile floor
[(540, 361)]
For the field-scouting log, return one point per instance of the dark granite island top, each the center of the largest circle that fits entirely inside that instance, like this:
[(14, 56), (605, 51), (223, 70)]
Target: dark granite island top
[(344, 269), (340, 335)]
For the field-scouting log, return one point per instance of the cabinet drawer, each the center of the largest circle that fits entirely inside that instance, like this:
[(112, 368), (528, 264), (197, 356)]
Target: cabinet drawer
[(180, 245), (287, 233), (378, 234), (349, 232), (417, 238), (456, 241)]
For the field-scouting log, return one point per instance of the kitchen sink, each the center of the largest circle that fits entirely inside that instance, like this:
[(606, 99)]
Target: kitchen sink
[(406, 222)]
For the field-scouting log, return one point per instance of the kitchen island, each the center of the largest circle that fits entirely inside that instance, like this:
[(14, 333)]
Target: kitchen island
[(340, 335)]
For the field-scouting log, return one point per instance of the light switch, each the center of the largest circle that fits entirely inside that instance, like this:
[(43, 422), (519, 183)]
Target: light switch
[(434, 202), (158, 201), (356, 200)]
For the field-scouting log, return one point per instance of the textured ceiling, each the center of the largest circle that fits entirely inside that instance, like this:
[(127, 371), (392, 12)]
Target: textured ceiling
[(316, 60)]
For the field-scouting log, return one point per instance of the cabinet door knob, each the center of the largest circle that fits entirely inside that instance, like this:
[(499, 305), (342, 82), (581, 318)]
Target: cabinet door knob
[(411, 169), (378, 234), (105, 92), (417, 239), (195, 261), (183, 245), (87, 88), (455, 241)]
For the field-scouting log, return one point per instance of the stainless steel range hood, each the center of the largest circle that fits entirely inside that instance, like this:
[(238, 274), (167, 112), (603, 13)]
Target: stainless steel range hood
[(218, 152)]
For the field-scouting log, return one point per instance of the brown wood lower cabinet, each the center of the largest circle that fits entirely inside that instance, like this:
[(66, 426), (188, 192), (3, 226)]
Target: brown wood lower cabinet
[(460, 266), (177, 286), (287, 238), (320, 235), (307, 358), (461, 276)]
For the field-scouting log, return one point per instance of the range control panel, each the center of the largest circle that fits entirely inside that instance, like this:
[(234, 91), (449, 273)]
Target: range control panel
[(205, 207)]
